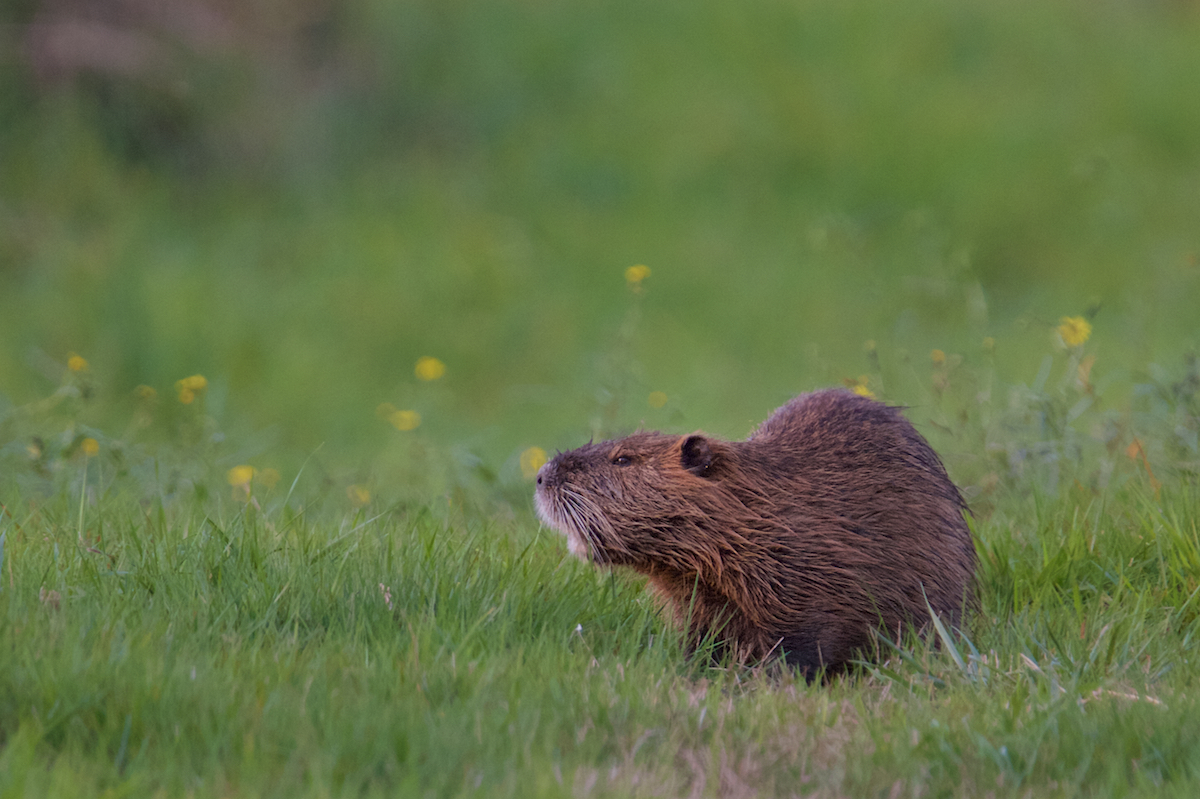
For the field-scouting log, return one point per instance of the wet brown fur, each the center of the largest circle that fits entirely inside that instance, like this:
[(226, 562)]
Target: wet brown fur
[(833, 519)]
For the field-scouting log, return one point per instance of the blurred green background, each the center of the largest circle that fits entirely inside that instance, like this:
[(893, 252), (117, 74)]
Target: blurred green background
[(299, 200)]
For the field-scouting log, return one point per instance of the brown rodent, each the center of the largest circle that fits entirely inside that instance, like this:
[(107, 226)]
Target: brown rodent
[(833, 519)]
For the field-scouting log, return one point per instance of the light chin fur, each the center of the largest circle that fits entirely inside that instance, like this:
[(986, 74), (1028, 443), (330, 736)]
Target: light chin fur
[(576, 544)]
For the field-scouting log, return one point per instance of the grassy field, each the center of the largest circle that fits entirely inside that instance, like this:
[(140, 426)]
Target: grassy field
[(252, 544)]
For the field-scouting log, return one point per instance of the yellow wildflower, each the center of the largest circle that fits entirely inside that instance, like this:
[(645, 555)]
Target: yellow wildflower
[(657, 399), (90, 446), (635, 274), (1074, 330), (859, 386), (401, 420), (146, 393), (195, 383), (240, 476), (938, 357), (77, 363), (405, 420), (429, 368), (267, 477), (358, 495), (532, 459), (189, 387)]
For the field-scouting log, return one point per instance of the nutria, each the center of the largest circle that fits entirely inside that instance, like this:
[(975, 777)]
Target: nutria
[(834, 519)]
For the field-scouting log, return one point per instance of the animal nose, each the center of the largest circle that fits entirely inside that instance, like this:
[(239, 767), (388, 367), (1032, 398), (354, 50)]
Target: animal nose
[(543, 475)]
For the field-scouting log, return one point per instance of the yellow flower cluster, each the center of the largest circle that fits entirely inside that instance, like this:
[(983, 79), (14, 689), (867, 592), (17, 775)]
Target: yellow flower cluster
[(1074, 330), (532, 459), (189, 387), (938, 357), (77, 363), (240, 476), (90, 446), (635, 274), (657, 399), (401, 420), (860, 387), (428, 369), (358, 495)]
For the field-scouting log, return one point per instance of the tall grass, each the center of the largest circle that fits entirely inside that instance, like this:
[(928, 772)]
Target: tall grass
[(226, 650)]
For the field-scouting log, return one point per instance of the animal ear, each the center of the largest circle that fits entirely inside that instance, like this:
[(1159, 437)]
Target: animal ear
[(696, 455)]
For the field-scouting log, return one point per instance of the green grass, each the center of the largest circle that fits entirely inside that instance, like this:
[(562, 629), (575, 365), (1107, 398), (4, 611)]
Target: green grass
[(823, 191), (255, 653)]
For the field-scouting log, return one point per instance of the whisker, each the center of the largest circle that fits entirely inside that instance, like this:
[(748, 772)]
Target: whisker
[(583, 517)]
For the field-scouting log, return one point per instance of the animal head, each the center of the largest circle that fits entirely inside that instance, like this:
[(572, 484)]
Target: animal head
[(616, 498)]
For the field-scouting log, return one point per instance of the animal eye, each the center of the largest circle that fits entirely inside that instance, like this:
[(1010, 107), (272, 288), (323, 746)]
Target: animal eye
[(622, 460)]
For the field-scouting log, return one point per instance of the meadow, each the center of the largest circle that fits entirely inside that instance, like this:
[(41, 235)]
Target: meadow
[(287, 329)]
